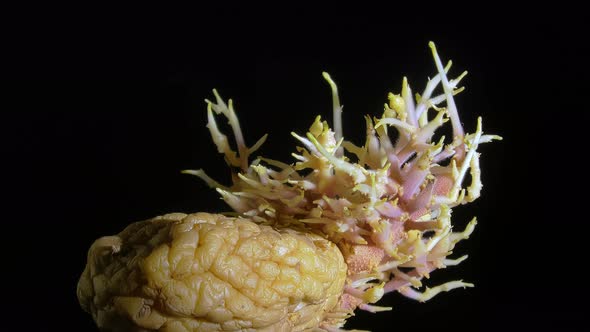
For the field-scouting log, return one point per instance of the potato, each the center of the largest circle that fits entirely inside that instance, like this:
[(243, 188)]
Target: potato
[(208, 272)]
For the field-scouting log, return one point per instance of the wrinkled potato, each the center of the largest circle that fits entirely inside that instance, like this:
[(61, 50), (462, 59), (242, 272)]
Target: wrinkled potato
[(208, 272)]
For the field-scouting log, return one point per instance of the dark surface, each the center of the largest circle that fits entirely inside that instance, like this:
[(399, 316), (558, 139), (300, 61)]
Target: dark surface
[(106, 109)]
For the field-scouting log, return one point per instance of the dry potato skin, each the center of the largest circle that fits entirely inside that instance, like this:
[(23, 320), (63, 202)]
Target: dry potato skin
[(208, 272)]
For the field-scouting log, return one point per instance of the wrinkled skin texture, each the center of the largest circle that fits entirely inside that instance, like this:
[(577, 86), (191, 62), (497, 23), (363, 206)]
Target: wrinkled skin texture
[(208, 272)]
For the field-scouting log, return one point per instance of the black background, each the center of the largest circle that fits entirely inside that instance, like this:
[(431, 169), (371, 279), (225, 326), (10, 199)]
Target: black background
[(104, 107)]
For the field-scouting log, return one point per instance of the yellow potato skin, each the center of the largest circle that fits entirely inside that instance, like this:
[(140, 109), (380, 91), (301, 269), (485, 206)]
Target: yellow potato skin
[(209, 272)]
